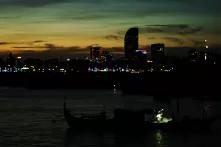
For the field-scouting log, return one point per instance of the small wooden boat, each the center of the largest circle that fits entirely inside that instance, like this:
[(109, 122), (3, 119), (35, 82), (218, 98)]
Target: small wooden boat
[(123, 120), (132, 121)]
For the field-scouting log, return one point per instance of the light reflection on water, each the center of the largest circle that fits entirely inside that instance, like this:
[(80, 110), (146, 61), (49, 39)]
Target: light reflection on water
[(35, 118), (159, 138), (154, 138)]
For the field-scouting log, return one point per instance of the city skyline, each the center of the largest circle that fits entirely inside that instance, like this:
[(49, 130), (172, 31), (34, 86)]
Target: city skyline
[(70, 26)]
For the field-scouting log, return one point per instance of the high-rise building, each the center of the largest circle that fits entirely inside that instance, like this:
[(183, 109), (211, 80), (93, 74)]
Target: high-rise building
[(11, 60), (131, 42), (157, 52), (106, 56), (95, 52), (141, 55)]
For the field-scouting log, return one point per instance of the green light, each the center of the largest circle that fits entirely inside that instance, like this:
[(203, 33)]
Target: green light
[(162, 119)]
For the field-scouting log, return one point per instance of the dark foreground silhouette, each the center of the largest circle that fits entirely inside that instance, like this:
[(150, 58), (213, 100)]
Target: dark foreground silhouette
[(197, 83), (127, 120)]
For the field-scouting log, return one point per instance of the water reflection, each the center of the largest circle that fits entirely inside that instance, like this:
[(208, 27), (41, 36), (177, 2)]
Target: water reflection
[(159, 138), (151, 138), (113, 139), (35, 118)]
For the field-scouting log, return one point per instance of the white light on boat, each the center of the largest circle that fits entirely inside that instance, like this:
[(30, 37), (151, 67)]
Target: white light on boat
[(160, 118)]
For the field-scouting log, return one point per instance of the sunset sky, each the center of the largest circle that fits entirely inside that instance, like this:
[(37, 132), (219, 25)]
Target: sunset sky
[(72, 25)]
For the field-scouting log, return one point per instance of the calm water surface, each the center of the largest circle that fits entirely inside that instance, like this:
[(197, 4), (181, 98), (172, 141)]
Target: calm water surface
[(35, 118)]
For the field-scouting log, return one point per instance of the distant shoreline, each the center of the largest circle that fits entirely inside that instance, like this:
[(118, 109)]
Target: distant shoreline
[(195, 83)]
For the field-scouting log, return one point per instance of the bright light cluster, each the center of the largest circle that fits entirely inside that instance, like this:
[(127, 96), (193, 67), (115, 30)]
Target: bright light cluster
[(160, 118)]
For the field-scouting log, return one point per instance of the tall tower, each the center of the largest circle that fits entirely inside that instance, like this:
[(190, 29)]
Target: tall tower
[(131, 42), (95, 52), (206, 49), (157, 52)]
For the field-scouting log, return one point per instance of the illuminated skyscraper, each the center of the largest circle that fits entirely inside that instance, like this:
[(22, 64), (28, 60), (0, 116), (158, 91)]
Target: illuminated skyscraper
[(95, 52), (157, 52), (131, 42)]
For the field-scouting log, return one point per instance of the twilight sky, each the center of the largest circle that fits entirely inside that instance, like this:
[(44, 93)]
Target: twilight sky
[(72, 25)]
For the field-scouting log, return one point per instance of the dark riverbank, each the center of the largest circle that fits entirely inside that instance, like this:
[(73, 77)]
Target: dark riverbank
[(158, 83), (57, 80)]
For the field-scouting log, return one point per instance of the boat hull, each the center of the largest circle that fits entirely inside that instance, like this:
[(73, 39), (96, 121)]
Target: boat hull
[(111, 124)]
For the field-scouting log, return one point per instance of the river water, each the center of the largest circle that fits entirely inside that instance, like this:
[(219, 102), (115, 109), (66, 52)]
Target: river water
[(35, 118)]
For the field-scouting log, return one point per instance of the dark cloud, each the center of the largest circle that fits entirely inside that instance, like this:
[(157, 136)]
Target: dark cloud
[(30, 3), (177, 26), (23, 43), (4, 43), (50, 47), (39, 3), (54, 47), (27, 47), (53, 54), (39, 41), (50, 50), (129, 8), (10, 43), (175, 40), (180, 29), (191, 30), (113, 37)]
